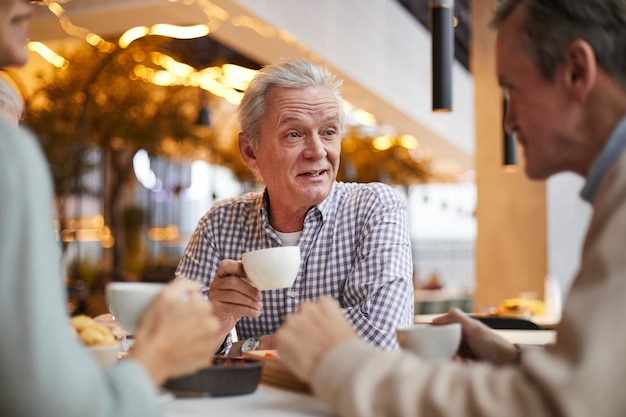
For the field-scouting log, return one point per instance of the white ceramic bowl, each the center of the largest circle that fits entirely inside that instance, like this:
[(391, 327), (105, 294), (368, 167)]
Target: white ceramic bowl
[(429, 341), (128, 300), (106, 356), (272, 268)]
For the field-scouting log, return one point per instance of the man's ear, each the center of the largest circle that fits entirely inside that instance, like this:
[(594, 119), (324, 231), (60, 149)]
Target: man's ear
[(247, 152), (580, 69)]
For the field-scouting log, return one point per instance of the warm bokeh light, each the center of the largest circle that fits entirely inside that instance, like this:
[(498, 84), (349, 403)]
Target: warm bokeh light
[(408, 141), (162, 29), (56, 9), (236, 76), (48, 54), (179, 32), (132, 34), (382, 143), (167, 233), (88, 229), (178, 68), (164, 78), (364, 118), (349, 145)]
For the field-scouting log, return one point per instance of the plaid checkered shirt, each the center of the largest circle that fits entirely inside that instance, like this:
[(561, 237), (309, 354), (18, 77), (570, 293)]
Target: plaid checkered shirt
[(354, 247)]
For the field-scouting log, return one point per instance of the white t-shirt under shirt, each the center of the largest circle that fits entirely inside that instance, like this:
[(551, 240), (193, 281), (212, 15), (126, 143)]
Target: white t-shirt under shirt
[(289, 239)]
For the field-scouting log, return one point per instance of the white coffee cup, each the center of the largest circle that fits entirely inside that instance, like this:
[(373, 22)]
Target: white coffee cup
[(429, 341), (272, 268), (128, 300)]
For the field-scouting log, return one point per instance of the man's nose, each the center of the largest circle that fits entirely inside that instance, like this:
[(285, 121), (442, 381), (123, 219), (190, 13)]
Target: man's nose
[(315, 147)]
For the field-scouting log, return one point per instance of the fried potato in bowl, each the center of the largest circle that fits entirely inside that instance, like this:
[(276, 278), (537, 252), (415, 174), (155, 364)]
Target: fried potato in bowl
[(97, 338)]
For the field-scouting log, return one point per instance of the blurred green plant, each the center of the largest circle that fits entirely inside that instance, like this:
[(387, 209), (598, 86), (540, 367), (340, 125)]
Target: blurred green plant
[(98, 104), (134, 225), (83, 270)]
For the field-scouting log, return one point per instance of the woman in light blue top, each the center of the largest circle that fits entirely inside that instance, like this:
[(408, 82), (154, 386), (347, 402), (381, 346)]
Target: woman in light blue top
[(44, 370)]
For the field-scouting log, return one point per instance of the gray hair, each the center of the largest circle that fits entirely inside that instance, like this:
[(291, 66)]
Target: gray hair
[(10, 101), (288, 74), (551, 25)]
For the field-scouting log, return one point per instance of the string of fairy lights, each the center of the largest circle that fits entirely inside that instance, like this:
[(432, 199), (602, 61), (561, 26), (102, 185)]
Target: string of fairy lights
[(227, 81)]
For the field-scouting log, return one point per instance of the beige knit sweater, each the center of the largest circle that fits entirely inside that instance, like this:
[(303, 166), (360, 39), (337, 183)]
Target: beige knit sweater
[(583, 374)]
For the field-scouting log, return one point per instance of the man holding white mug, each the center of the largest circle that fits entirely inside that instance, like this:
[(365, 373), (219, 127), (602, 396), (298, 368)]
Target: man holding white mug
[(353, 238)]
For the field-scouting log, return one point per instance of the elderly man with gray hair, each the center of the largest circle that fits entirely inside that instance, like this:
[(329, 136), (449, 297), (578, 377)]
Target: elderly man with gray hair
[(353, 238)]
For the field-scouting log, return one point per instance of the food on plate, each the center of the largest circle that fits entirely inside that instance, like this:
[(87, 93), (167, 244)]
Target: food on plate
[(275, 373), (520, 307), (92, 333)]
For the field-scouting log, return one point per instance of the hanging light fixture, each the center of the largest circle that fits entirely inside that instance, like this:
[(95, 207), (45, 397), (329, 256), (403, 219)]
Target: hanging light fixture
[(442, 29), (509, 147), (204, 117)]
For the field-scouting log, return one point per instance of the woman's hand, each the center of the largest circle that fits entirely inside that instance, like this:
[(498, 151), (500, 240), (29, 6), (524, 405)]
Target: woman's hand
[(177, 334), (306, 336)]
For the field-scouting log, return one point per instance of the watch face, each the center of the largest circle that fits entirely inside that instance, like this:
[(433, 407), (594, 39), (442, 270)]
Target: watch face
[(250, 344)]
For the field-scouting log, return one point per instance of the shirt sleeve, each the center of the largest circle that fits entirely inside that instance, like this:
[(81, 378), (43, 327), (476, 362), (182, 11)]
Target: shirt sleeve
[(378, 294), (359, 380), (201, 257), (45, 369), (200, 261)]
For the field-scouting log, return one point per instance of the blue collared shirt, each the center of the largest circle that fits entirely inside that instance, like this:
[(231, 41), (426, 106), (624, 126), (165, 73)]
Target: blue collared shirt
[(613, 149), (354, 246)]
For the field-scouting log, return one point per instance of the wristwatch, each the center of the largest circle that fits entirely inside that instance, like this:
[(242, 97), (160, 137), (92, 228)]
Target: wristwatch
[(251, 343)]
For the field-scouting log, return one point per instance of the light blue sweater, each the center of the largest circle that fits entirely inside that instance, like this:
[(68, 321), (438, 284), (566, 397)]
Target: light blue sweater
[(44, 370)]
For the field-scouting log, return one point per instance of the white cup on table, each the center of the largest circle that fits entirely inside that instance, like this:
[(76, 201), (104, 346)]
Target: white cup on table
[(128, 300), (430, 342)]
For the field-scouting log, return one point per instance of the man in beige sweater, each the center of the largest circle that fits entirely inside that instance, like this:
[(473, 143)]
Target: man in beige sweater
[(562, 64)]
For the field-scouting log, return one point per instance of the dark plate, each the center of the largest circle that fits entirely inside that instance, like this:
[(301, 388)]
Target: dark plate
[(227, 376)]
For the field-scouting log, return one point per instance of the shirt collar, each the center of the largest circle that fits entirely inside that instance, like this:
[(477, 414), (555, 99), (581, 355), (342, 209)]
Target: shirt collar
[(612, 150), (323, 208)]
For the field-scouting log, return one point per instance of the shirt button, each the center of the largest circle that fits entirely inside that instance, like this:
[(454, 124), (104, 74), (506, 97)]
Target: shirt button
[(293, 293)]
